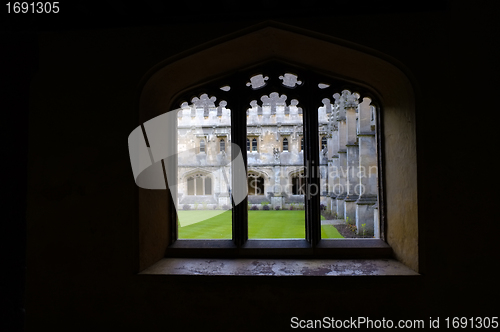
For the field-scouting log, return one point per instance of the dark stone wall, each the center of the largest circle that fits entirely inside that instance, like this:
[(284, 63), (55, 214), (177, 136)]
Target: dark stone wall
[(73, 179)]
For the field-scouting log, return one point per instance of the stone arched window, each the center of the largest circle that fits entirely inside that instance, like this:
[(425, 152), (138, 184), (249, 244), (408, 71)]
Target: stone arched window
[(323, 142), (222, 145), (255, 184), (298, 184), (273, 86), (202, 146), (376, 75), (199, 184), (285, 144)]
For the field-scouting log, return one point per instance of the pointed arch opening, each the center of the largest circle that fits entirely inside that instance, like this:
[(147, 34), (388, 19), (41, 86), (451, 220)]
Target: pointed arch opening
[(361, 66)]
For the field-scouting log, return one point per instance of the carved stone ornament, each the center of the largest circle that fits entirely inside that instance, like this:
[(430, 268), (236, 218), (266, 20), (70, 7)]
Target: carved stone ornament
[(276, 153), (222, 105), (257, 81), (204, 102), (343, 101), (273, 100), (290, 80)]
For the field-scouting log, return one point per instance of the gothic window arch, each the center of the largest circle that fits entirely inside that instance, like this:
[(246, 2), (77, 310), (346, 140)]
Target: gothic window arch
[(361, 65), (255, 184), (298, 183), (257, 100), (199, 184)]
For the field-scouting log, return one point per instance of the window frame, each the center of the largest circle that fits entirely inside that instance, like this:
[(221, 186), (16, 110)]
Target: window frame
[(255, 147), (251, 147), (222, 145), (285, 140), (202, 146), (321, 146), (312, 245)]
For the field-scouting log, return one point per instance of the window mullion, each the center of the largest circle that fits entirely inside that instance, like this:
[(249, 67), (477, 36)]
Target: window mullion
[(311, 162), (238, 138)]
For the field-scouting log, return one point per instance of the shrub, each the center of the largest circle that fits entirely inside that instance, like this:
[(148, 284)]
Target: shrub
[(348, 221), (264, 203), (277, 207), (254, 207), (265, 207), (214, 206), (225, 207), (291, 207), (322, 207), (186, 207)]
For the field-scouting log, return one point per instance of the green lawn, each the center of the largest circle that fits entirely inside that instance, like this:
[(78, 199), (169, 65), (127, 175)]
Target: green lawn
[(281, 224)]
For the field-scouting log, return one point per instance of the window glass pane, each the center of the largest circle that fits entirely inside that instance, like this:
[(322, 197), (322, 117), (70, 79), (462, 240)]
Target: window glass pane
[(248, 144), (208, 186), (202, 145), (199, 185), (222, 145), (190, 186), (275, 211), (254, 144), (203, 169)]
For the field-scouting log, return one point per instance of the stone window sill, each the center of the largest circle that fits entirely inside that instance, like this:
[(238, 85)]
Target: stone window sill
[(279, 267)]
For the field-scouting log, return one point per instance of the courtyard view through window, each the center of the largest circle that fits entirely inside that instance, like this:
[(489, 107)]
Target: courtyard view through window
[(280, 156)]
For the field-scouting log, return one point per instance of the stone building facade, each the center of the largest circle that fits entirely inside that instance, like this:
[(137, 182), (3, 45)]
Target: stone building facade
[(275, 156)]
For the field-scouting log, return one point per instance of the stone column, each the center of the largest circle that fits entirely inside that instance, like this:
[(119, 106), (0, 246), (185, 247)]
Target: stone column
[(340, 185), (276, 199), (368, 179), (351, 104), (333, 159)]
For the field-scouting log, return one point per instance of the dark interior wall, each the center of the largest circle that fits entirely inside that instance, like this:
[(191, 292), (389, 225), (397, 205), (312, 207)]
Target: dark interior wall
[(82, 211)]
